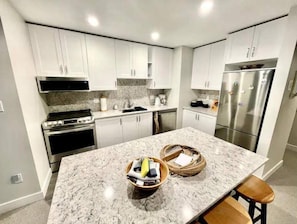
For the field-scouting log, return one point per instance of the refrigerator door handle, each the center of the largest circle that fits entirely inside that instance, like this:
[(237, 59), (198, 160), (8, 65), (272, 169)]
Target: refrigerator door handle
[(293, 87)]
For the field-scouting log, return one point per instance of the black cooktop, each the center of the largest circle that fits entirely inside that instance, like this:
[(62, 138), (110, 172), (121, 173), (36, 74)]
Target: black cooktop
[(58, 116)]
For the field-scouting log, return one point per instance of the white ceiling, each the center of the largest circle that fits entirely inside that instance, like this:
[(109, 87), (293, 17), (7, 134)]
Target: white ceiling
[(177, 21)]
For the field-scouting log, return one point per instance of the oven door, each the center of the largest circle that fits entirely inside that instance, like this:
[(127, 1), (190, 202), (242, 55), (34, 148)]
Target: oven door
[(67, 141)]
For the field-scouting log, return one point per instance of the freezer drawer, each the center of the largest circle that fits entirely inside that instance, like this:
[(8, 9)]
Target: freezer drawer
[(238, 138)]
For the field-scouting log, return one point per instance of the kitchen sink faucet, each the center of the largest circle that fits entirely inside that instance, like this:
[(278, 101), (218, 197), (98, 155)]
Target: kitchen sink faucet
[(128, 103)]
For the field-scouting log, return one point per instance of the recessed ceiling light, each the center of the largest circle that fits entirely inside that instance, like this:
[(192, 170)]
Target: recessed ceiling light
[(206, 6), (155, 36), (93, 21)]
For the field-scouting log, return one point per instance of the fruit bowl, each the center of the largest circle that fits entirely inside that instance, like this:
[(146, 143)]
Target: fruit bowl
[(164, 172)]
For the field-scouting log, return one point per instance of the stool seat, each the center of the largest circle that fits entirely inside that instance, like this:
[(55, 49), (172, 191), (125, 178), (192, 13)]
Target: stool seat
[(256, 189), (227, 211)]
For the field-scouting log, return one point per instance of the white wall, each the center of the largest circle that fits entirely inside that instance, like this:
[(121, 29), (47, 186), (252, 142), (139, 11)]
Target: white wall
[(173, 93), (280, 110), (186, 93), (181, 95), (15, 152), (33, 108)]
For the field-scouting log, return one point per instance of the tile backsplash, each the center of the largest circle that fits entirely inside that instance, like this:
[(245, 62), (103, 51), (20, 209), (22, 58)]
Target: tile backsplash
[(135, 90), (212, 94)]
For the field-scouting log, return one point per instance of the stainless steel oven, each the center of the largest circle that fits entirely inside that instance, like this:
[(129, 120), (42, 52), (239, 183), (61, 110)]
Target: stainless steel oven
[(68, 136)]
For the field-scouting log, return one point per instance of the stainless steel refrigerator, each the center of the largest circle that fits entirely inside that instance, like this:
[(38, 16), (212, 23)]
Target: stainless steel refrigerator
[(243, 99)]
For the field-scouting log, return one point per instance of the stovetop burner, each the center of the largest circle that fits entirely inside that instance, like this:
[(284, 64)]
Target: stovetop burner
[(68, 115), (67, 118)]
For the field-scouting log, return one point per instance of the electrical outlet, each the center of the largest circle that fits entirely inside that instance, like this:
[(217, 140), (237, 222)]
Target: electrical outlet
[(17, 179)]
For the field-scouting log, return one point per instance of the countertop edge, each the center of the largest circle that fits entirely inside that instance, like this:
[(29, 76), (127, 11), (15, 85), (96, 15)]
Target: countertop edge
[(118, 113), (206, 111)]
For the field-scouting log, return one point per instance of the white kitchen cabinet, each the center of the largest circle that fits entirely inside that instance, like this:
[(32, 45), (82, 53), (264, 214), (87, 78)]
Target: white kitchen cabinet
[(160, 68), (145, 125), (109, 131), (101, 61), (208, 66), (137, 126), (131, 60), (58, 52), (199, 121), (46, 50), (130, 127), (256, 43)]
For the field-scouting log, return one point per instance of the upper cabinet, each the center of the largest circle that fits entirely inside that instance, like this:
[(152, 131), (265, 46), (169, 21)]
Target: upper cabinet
[(101, 61), (256, 43), (208, 66), (58, 52), (160, 68), (131, 60)]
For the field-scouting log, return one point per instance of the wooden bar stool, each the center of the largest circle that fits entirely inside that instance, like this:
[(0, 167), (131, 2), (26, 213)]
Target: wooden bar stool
[(227, 211), (254, 190)]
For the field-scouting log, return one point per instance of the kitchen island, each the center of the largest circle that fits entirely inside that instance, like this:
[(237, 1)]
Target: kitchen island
[(92, 186)]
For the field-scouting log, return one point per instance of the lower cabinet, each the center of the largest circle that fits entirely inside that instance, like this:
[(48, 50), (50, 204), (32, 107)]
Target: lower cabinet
[(199, 121), (111, 131)]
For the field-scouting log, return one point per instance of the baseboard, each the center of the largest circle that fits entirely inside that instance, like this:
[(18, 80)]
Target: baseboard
[(291, 147), (46, 182), (19, 202), (273, 170)]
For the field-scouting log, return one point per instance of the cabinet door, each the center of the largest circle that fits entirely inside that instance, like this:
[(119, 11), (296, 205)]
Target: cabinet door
[(145, 125), (216, 66), (161, 68), (268, 39), (109, 132), (46, 50), (200, 67), (140, 61), (238, 46), (123, 59), (74, 53), (130, 127), (206, 123), (101, 61), (189, 119)]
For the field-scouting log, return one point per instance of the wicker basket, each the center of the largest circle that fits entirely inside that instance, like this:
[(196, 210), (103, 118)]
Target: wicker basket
[(170, 152)]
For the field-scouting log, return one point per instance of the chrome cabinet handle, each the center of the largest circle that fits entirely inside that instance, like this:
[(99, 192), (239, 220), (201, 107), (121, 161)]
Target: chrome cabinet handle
[(136, 118), (248, 52), (134, 72), (120, 121), (196, 117), (139, 119), (61, 69), (253, 52), (66, 70)]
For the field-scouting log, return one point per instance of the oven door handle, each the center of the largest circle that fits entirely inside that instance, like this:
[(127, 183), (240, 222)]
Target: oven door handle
[(89, 127)]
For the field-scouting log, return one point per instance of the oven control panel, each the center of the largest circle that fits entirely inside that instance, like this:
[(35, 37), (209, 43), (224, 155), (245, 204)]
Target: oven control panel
[(67, 122)]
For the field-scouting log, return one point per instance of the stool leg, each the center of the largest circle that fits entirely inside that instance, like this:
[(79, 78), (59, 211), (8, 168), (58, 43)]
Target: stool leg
[(263, 213), (236, 196), (252, 209)]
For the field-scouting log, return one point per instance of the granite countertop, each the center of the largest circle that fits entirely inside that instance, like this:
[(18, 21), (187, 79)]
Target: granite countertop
[(116, 113), (207, 111), (92, 186)]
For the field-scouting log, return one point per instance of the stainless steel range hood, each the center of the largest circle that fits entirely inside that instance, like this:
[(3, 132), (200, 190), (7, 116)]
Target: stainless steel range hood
[(62, 84)]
